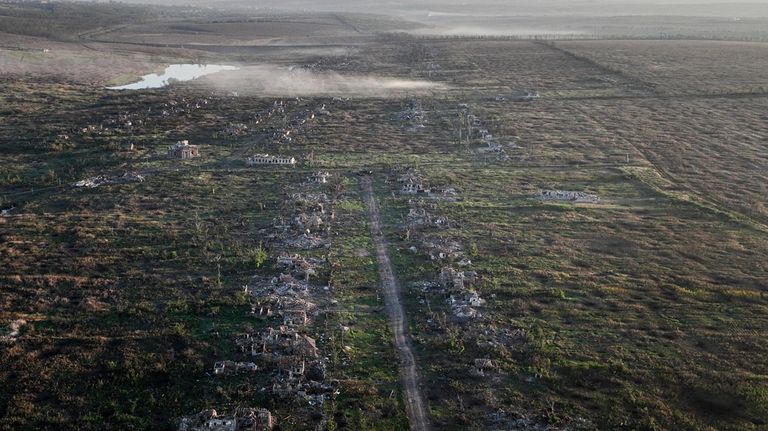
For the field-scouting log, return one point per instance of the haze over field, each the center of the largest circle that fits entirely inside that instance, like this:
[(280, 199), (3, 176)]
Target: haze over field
[(278, 81), (430, 8)]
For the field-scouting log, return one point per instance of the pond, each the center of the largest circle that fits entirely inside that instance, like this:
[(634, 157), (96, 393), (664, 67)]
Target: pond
[(174, 72)]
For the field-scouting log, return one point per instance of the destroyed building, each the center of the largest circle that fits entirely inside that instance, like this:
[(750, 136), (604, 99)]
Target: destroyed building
[(231, 367), (440, 249), (244, 419), (410, 188), (291, 366), (299, 266), (278, 342), (525, 96), (449, 278), (100, 180), (567, 196), (183, 150), (320, 177), (266, 159), (481, 366)]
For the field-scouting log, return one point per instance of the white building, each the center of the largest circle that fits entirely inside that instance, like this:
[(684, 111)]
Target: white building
[(266, 159)]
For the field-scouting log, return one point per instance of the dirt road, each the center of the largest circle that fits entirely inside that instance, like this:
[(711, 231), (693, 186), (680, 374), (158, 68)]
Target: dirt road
[(414, 401)]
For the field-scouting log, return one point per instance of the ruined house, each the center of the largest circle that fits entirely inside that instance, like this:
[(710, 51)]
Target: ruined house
[(266, 159), (320, 177), (412, 188), (440, 249), (268, 341), (244, 419), (305, 347), (450, 278), (292, 366), (183, 150), (231, 367), (308, 221), (480, 366), (299, 266), (294, 317)]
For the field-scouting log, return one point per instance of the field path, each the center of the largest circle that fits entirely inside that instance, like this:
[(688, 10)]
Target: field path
[(409, 378)]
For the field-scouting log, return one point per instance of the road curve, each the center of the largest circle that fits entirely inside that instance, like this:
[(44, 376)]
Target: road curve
[(409, 377)]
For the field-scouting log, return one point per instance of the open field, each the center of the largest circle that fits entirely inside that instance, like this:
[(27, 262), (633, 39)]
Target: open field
[(683, 67), (641, 305)]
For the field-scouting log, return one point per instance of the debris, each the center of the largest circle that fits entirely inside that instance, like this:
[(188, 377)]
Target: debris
[(525, 96), (320, 177), (481, 366), (567, 196), (5, 212), (101, 180), (244, 419), (411, 188), (440, 249), (449, 278), (414, 115), (15, 330), (232, 130), (231, 367)]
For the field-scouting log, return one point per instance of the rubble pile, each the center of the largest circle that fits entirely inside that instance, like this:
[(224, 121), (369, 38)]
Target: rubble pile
[(14, 330), (413, 115), (309, 227), (443, 249), (319, 177), (283, 295), (420, 215), (123, 123), (463, 300), (567, 196), (494, 339), (243, 419), (478, 132), (282, 353), (232, 130), (291, 125), (481, 366), (412, 183), (100, 180), (231, 367), (454, 285)]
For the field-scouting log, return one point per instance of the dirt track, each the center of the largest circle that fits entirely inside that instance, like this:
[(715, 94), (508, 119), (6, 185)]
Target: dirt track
[(414, 404)]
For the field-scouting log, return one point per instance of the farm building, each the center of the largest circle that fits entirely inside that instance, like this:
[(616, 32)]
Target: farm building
[(183, 150), (266, 159)]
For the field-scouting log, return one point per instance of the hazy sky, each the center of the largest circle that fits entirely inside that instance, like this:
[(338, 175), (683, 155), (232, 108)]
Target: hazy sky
[(724, 8)]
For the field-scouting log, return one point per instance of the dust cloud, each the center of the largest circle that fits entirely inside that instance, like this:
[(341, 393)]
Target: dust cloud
[(280, 81)]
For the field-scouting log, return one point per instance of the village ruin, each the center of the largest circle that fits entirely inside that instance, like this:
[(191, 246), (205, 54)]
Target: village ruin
[(243, 419)]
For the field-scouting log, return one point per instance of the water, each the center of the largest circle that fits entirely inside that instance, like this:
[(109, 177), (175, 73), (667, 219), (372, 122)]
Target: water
[(179, 72)]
